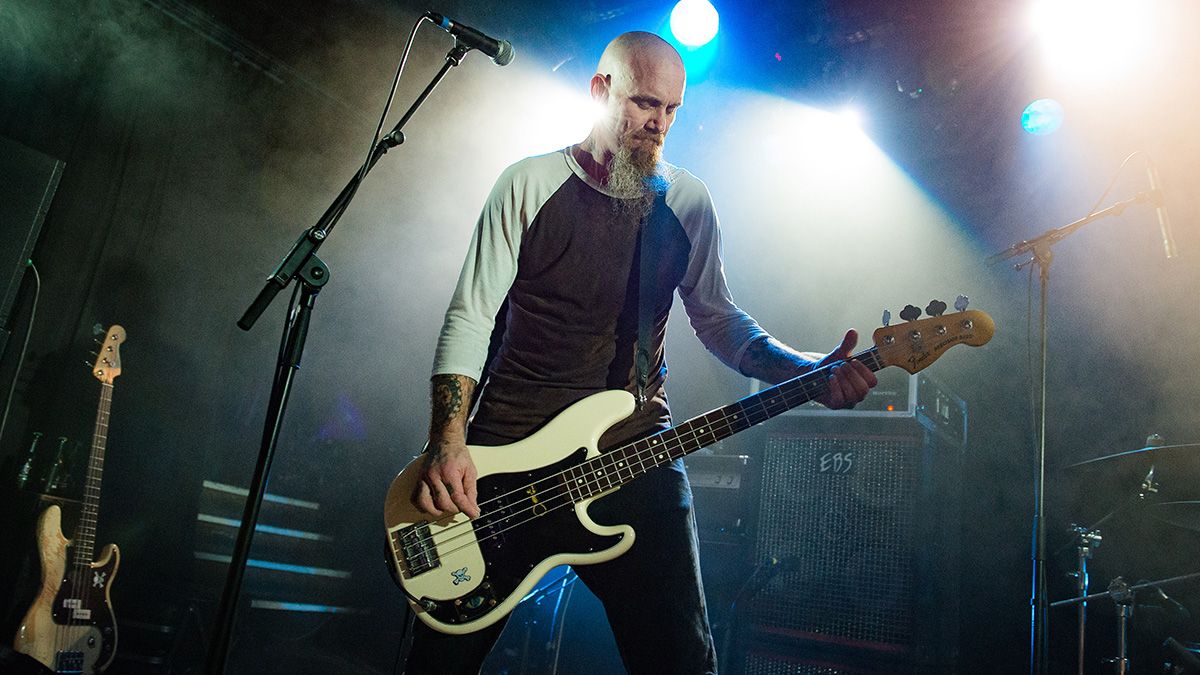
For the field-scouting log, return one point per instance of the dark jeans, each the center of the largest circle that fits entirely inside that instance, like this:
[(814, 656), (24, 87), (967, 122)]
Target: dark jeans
[(651, 594)]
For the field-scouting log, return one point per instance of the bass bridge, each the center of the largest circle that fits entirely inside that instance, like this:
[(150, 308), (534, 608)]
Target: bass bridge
[(415, 549)]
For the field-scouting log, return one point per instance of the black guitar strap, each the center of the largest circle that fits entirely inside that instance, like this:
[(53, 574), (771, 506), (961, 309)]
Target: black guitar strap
[(645, 311)]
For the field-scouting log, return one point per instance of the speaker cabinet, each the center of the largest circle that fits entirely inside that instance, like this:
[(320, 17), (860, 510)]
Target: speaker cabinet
[(28, 180), (862, 516)]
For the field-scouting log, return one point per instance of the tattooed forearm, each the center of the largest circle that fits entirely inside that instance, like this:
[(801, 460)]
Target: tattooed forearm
[(770, 360), (450, 398)]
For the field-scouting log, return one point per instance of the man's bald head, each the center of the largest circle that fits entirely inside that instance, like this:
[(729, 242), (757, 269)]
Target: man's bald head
[(637, 55)]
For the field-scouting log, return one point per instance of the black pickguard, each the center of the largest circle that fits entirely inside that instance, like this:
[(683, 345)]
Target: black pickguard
[(90, 589)]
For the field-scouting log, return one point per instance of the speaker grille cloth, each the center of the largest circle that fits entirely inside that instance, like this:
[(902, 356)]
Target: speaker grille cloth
[(844, 536)]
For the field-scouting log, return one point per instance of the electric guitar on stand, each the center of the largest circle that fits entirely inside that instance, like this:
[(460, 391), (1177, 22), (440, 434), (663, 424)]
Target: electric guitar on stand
[(70, 628), (461, 575)]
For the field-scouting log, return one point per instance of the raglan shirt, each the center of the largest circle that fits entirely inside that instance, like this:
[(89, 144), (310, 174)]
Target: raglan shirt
[(560, 254)]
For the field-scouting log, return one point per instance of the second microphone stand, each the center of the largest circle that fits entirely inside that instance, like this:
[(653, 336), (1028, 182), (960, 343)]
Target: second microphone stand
[(1039, 250)]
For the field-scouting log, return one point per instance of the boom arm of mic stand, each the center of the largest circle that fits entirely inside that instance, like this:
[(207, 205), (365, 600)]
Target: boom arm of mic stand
[(1051, 237), (311, 239)]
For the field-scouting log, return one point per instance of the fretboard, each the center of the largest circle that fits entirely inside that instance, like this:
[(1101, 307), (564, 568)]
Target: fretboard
[(621, 465), (85, 534)]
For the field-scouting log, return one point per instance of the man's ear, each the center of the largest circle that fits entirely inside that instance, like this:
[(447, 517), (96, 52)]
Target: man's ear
[(601, 86)]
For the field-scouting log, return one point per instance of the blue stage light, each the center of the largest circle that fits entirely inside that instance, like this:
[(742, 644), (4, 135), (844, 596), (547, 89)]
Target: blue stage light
[(1043, 116), (694, 22)]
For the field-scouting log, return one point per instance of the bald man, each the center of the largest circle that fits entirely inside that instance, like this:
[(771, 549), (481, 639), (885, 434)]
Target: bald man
[(554, 272)]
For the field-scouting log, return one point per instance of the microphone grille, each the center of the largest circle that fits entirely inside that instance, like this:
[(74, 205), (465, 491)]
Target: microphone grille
[(505, 54)]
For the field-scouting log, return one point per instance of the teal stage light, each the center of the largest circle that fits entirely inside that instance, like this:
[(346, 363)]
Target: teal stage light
[(694, 23), (1043, 116)]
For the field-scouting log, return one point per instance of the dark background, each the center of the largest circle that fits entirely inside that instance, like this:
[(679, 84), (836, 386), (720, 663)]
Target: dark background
[(201, 137)]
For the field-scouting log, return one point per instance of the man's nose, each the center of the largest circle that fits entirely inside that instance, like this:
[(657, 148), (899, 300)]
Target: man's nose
[(657, 122)]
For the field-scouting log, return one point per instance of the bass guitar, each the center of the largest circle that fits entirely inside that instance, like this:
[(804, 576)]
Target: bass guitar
[(461, 575), (70, 628)]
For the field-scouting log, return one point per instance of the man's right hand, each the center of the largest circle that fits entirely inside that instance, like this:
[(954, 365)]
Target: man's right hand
[(447, 484)]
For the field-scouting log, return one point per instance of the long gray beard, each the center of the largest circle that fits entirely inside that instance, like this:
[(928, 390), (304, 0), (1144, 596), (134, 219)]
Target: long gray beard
[(633, 184)]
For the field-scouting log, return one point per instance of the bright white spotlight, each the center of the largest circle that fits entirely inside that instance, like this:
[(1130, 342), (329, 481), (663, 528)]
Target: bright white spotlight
[(1093, 39), (694, 22), (829, 143), (851, 116)]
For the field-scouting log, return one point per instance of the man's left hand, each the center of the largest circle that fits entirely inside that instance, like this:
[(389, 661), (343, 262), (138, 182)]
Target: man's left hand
[(851, 380)]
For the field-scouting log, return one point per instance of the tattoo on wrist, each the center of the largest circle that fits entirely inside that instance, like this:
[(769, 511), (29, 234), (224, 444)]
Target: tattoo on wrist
[(757, 355), (447, 400), (770, 360)]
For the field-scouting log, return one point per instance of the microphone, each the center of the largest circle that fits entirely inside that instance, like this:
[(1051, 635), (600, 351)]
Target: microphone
[(501, 51), (1160, 207)]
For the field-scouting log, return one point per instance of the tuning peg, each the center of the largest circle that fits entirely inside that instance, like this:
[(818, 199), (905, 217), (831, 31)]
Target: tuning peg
[(910, 313), (887, 317), (961, 302), (935, 308)]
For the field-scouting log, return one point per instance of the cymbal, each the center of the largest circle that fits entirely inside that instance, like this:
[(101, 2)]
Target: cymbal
[(1176, 473), (1150, 453), (1185, 514)]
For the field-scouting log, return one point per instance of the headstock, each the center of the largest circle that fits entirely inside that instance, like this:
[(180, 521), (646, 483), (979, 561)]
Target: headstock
[(108, 359), (916, 343)]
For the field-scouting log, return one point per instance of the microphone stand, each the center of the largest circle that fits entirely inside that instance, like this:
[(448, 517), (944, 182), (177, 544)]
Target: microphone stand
[(1039, 248), (301, 264)]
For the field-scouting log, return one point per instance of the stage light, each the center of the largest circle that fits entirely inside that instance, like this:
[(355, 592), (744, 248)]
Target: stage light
[(694, 22), (1093, 39), (1043, 116), (832, 141), (851, 116)]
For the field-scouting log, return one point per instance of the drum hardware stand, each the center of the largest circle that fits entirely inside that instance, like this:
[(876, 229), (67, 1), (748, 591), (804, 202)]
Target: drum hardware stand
[(1122, 594), (1088, 540), (1039, 250)]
